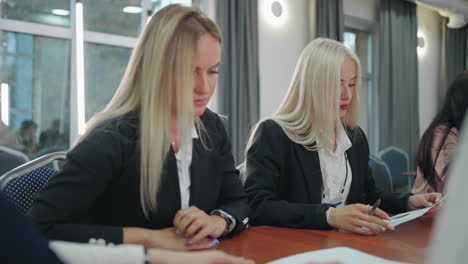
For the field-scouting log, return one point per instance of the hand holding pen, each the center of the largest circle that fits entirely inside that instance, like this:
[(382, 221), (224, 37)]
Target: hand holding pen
[(371, 210), (360, 219)]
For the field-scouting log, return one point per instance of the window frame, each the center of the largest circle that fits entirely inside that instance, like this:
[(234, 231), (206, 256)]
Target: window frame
[(69, 33), (370, 27)]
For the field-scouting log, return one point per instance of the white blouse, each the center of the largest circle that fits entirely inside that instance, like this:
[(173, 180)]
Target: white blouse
[(184, 160), (336, 176)]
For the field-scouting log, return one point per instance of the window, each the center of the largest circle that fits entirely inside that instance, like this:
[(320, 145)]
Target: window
[(119, 17), (50, 12), (104, 68), (158, 4), (361, 43), (38, 67), (35, 84)]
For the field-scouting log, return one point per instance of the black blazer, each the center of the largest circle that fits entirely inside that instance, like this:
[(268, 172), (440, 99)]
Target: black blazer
[(284, 180), (98, 191)]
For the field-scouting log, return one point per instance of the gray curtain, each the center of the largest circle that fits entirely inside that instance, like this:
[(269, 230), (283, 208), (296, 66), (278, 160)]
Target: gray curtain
[(238, 85), (329, 19), (398, 77), (455, 52)]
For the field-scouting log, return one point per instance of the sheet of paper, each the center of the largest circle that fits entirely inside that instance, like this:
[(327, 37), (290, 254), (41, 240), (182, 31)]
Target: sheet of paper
[(343, 255), (410, 215)]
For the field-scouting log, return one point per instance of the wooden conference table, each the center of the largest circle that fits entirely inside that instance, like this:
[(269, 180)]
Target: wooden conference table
[(408, 243)]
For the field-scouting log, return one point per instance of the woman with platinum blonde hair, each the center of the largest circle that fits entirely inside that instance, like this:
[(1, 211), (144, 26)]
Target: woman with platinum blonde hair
[(307, 164), (155, 166)]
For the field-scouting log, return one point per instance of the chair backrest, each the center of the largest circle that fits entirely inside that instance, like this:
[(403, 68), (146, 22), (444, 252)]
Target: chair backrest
[(20, 185), (381, 174), (398, 162), (10, 159)]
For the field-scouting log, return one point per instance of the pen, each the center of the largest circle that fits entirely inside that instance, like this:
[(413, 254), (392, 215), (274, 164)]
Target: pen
[(376, 204)]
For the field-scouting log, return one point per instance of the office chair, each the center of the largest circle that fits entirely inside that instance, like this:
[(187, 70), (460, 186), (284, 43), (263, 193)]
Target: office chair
[(381, 174), (398, 162), (20, 185)]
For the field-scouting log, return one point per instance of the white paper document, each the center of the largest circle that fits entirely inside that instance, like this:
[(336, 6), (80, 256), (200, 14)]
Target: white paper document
[(410, 215), (343, 255)]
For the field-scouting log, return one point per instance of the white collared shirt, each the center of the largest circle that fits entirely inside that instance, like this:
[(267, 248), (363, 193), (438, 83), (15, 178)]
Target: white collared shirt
[(184, 160), (332, 165)]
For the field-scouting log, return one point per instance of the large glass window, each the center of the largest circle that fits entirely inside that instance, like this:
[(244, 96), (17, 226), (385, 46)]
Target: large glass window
[(40, 93), (104, 68), (50, 12), (119, 17), (35, 88)]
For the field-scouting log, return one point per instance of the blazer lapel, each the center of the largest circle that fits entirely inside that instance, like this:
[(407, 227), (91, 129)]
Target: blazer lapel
[(200, 173), (355, 188), (310, 165), (169, 193)]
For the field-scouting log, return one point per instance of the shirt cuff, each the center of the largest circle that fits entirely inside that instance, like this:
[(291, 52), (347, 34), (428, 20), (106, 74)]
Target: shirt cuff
[(70, 252), (328, 215)]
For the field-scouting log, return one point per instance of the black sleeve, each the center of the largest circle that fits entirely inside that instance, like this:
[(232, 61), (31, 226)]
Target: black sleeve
[(233, 199), (19, 242), (391, 202), (266, 173), (61, 208)]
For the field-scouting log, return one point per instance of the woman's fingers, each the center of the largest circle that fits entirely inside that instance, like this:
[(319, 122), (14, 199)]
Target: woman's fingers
[(374, 228), (185, 218), (381, 214)]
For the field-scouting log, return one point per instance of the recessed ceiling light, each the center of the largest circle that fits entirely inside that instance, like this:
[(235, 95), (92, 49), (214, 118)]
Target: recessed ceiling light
[(60, 12), (132, 9)]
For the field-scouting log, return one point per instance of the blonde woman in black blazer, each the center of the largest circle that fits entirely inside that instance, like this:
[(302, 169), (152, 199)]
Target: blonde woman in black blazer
[(124, 181), (307, 165)]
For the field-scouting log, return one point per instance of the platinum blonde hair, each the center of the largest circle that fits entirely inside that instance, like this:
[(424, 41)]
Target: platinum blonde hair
[(310, 111), (158, 82)]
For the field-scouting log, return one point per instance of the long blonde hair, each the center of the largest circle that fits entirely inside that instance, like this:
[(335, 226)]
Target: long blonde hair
[(158, 80), (309, 113)]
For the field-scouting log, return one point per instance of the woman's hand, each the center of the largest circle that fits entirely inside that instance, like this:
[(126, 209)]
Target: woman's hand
[(418, 201), (163, 238), (169, 239), (197, 225), (355, 218), (159, 256)]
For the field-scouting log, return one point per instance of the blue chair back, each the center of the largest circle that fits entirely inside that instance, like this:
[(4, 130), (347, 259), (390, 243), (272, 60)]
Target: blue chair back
[(381, 174), (398, 162), (21, 184), (22, 191)]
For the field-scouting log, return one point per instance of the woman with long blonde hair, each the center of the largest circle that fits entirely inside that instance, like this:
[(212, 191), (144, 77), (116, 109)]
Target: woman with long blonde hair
[(307, 164), (155, 166)]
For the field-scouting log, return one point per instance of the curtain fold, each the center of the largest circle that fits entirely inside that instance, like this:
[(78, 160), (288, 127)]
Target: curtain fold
[(238, 84), (398, 77), (455, 52), (329, 19)]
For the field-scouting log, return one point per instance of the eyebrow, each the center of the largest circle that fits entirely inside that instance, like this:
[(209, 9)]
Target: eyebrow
[(216, 65)]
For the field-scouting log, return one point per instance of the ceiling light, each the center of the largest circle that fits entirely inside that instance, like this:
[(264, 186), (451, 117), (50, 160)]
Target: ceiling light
[(60, 12), (132, 9)]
